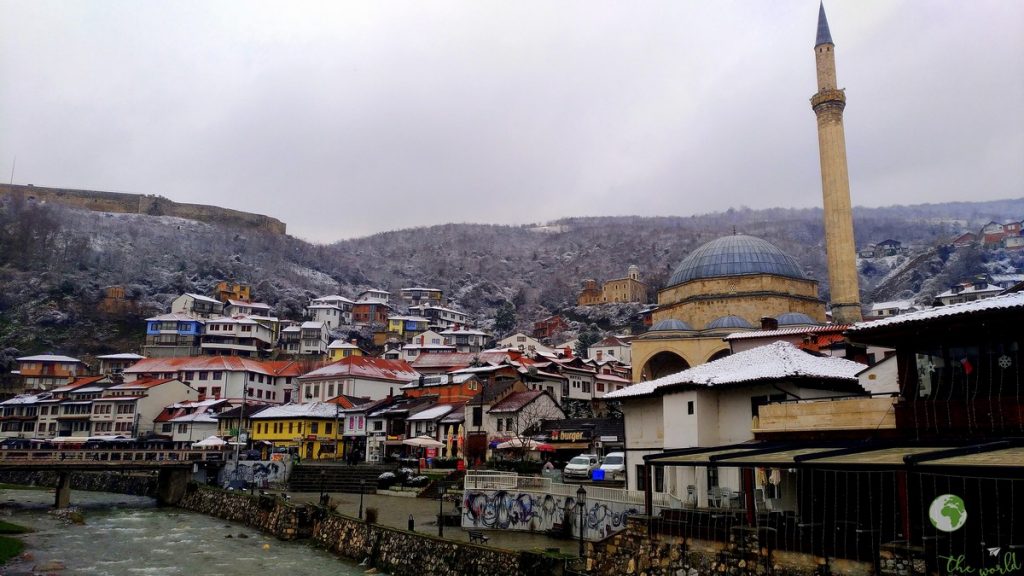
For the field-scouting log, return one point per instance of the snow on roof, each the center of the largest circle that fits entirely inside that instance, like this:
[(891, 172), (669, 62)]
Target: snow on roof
[(243, 303), (432, 413), (342, 345), (827, 328), (366, 367), (122, 356), (311, 324), (226, 363), (464, 332), (409, 318), (898, 304), (970, 290), (333, 298), (291, 329), (307, 410), (49, 358), (174, 316), (1004, 302), (775, 361), (25, 399), (197, 416), (203, 298), (421, 289)]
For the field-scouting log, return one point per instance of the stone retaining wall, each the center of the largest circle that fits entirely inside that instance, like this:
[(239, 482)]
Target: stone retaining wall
[(396, 552), (115, 482)]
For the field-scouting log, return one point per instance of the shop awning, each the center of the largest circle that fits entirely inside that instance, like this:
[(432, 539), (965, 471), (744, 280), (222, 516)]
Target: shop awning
[(570, 445)]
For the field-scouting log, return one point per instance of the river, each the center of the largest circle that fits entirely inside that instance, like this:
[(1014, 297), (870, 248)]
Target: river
[(125, 535)]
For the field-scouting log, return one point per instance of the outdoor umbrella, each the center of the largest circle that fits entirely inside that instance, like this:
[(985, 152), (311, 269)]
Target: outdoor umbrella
[(211, 442), (448, 443), (525, 443), (422, 442)]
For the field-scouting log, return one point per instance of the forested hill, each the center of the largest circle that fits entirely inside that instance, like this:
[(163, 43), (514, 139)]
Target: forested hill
[(56, 262)]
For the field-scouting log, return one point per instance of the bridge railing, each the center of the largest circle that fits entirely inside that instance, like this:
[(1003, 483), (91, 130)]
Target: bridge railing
[(72, 456)]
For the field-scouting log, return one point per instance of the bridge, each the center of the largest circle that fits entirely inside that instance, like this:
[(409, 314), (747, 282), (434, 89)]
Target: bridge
[(174, 467)]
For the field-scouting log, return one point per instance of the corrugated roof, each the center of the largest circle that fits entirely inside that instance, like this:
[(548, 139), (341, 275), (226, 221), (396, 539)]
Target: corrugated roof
[(828, 328), (775, 361), (48, 358), (307, 410), (432, 413), (996, 303)]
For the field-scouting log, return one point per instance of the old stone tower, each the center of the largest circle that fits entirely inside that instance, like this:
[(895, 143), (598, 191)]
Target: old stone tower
[(828, 105)]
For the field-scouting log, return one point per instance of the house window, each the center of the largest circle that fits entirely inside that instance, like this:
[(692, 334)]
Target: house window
[(689, 407), (378, 425), (182, 428), (216, 392), (252, 377), (166, 428), (259, 394), (202, 375), (202, 390), (478, 416), (500, 422), (216, 375), (291, 427), (328, 428), (600, 386), (314, 428)]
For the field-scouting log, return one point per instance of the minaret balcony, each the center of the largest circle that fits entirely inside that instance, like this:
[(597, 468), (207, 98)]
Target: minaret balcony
[(828, 96)]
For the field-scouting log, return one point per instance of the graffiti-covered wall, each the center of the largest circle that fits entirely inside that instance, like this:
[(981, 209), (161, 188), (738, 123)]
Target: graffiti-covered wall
[(262, 472), (539, 512)]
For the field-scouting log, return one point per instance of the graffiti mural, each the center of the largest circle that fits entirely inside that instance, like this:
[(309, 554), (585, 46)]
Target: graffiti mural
[(527, 511), (260, 472)]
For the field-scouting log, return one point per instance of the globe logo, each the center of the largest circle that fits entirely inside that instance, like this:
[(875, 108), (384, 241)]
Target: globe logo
[(947, 512)]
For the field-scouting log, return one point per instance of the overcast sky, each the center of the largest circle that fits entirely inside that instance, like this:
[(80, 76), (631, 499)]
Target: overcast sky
[(348, 118)]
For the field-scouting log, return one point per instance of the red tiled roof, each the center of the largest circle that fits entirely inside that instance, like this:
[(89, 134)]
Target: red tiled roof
[(225, 363), (142, 383), (367, 367), (456, 360), (515, 401), (78, 382)]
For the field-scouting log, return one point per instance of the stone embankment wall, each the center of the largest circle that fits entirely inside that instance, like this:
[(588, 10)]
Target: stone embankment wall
[(115, 482), (634, 551), (146, 204), (393, 551)]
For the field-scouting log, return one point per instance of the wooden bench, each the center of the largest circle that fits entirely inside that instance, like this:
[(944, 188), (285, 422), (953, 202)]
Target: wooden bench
[(477, 537)]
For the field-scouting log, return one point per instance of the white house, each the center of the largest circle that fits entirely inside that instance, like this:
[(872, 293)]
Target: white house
[(197, 306), (131, 408), (358, 376), (715, 404), (239, 336), (441, 318), (334, 311), (313, 338), (524, 344), (466, 339), (611, 348), (228, 377), (243, 308)]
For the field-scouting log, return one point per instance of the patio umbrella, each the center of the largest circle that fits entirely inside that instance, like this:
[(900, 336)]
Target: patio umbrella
[(461, 440), (527, 444), (448, 443), (211, 442), (422, 442)]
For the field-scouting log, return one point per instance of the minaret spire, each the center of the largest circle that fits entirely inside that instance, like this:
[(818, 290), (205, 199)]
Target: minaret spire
[(828, 105), (824, 36)]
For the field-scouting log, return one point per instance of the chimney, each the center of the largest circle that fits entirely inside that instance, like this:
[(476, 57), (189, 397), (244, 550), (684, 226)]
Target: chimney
[(567, 352), (769, 323)]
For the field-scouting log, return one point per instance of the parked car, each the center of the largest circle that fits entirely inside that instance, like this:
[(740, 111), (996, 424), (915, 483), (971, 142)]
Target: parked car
[(580, 466), (614, 466)]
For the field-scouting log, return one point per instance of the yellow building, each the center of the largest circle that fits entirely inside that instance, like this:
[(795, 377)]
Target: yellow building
[(628, 289), (341, 349), (310, 427), (227, 291), (727, 285)]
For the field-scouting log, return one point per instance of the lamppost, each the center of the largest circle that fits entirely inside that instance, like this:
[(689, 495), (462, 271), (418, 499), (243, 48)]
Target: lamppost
[(440, 510), (581, 501), (362, 484), (241, 421)]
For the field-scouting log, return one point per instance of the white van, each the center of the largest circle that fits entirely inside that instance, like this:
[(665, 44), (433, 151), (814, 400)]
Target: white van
[(614, 466)]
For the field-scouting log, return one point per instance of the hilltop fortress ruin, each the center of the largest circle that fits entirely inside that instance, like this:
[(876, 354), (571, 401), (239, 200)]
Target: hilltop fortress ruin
[(145, 204)]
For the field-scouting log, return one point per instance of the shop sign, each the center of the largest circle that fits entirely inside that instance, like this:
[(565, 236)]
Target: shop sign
[(570, 435), (609, 438)]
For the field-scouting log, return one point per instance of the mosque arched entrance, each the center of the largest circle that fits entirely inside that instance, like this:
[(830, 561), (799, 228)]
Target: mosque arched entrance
[(663, 364), (718, 355)]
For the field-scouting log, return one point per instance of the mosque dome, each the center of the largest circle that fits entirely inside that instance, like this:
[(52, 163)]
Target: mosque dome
[(671, 324), (795, 318), (728, 322), (733, 256)]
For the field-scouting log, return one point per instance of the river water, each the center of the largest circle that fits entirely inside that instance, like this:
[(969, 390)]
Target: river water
[(125, 535)]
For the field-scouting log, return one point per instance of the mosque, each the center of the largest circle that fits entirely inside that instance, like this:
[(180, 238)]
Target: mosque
[(734, 282)]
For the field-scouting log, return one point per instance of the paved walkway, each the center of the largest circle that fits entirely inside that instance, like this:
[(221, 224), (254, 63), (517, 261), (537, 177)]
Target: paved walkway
[(394, 511)]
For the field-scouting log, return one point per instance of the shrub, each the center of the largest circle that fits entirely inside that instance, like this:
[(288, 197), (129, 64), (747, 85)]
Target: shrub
[(386, 480)]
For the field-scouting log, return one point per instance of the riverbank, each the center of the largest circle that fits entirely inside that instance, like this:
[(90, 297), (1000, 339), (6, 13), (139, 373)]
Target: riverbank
[(11, 547)]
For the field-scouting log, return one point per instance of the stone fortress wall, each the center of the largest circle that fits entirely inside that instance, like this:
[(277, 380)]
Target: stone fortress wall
[(145, 204)]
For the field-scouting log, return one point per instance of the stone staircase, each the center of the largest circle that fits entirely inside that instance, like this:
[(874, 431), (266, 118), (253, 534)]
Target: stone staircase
[(335, 478)]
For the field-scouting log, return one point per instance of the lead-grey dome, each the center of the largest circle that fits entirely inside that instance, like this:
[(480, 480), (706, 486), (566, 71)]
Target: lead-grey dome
[(733, 256), (671, 324), (792, 318), (728, 322)]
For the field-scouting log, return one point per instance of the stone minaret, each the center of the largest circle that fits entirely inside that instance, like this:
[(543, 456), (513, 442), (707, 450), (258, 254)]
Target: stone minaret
[(828, 105)]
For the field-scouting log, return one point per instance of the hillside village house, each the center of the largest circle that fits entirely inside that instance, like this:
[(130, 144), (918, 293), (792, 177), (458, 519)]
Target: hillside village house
[(245, 308), (341, 349), (236, 337), (520, 414), (188, 422), (171, 335), (615, 347), (374, 294), (313, 338), (47, 371), (441, 318), (227, 377), (416, 296), (19, 415), (466, 339), (428, 342), (131, 408), (405, 328), (523, 344), (359, 376), (549, 326), (387, 426), (334, 311), (197, 306), (443, 363), (110, 364), (968, 292), (370, 313), (291, 340), (225, 291)]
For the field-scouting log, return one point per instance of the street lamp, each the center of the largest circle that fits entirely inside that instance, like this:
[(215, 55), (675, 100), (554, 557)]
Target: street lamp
[(581, 501), (362, 484), (440, 510)]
